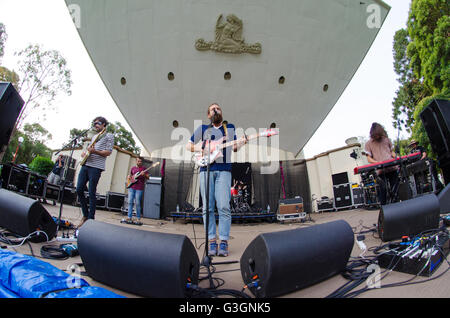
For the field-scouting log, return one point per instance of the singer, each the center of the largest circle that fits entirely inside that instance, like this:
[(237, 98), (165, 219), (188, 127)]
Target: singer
[(99, 149), (220, 177)]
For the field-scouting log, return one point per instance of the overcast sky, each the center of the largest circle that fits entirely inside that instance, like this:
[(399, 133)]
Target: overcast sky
[(47, 22)]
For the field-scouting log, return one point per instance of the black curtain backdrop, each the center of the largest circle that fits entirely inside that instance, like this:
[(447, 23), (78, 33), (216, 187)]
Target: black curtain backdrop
[(177, 178), (296, 182)]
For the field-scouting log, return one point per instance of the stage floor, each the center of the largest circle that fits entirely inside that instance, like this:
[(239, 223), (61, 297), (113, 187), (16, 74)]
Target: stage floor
[(241, 236)]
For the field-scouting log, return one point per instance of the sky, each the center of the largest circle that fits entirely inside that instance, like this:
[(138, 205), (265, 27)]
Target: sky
[(48, 23)]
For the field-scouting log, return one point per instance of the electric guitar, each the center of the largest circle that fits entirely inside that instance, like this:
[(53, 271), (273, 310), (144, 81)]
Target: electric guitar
[(134, 178), (87, 153), (201, 158)]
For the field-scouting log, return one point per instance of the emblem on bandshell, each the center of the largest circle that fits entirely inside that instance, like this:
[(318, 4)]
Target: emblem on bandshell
[(228, 38)]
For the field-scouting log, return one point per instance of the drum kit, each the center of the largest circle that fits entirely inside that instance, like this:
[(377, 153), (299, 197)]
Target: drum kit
[(240, 196)]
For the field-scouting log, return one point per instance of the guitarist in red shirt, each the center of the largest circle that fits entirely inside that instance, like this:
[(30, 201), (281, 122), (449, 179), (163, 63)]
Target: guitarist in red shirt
[(136, 190)]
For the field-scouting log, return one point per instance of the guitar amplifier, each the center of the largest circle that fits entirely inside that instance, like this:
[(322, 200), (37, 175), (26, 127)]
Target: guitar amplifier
[(100, 200), (52, 192), (69, 196), (114, 200), (290, 206), (36, 186)]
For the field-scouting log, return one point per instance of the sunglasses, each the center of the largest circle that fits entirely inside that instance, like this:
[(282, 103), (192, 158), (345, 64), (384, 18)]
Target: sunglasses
[(97, 123)]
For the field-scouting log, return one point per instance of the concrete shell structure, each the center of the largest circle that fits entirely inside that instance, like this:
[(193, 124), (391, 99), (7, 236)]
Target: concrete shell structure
[(149, 54)]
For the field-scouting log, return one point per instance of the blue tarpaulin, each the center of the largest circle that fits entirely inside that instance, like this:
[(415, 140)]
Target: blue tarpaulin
[(23, 276)]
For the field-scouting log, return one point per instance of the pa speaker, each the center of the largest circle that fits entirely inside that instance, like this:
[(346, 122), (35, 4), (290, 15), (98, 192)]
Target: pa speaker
[(141, 262), (436, 121), (10, 107), (23, 216), (444, 200), (408, 218), (283, 262)]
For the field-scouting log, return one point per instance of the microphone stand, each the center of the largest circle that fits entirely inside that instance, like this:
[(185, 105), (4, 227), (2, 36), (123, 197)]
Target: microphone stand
[(72, 145), (207, 260)]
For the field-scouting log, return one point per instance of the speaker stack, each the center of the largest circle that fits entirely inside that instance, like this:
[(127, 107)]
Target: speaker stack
[(141, 262), (23, 216), (436, 121), (10, 107), (283, 262)]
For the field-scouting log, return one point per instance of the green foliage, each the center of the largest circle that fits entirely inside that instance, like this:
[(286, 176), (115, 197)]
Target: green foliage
[(41, 165), (418, 131), (421, 58), (9, 76), (428, 51), (33, 145), (411, 90), (122, 137)]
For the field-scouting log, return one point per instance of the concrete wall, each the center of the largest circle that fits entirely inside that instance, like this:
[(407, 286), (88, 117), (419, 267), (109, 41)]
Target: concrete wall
[(323, 166)]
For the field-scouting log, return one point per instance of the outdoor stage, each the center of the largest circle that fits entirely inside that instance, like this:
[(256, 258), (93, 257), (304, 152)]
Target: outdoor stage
[(242, 234)]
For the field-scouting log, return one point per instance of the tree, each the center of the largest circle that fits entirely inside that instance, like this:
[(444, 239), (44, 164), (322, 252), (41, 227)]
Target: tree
[(421, 59), (44, 74), (428, 50), (9, 76), (34, 138), (411, 90), (3, 38), (122, 137)]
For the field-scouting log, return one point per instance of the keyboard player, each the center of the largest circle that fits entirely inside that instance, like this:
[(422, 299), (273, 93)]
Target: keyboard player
[(379, 148)]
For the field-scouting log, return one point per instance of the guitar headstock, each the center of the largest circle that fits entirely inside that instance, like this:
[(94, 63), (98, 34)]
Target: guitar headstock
[(269, 133)]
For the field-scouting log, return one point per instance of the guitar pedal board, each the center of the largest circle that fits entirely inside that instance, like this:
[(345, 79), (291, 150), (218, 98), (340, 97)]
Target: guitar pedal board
[(421, 257)]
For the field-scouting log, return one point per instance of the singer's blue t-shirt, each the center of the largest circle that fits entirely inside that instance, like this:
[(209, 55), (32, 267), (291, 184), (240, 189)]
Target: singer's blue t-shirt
[(202, 133)]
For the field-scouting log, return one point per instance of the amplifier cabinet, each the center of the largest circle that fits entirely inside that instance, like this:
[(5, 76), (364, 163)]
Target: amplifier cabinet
[(36, 186), (101, 200), (52, 192), (342, 196), (114, 201), (69, 196), (290, 206), (15, 178)]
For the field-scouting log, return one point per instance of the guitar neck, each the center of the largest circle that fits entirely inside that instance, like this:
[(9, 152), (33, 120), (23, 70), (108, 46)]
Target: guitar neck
[(234, 142), (152, 166)]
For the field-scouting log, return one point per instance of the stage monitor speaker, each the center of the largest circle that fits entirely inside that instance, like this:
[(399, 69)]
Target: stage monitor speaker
[(10, 107), (141, 262), (408, 218), (287, 261), (444, 200), (23, 216), (436, 121)]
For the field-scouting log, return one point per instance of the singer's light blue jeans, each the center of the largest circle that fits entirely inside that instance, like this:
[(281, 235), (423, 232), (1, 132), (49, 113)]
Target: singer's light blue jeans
[(220, 194)]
